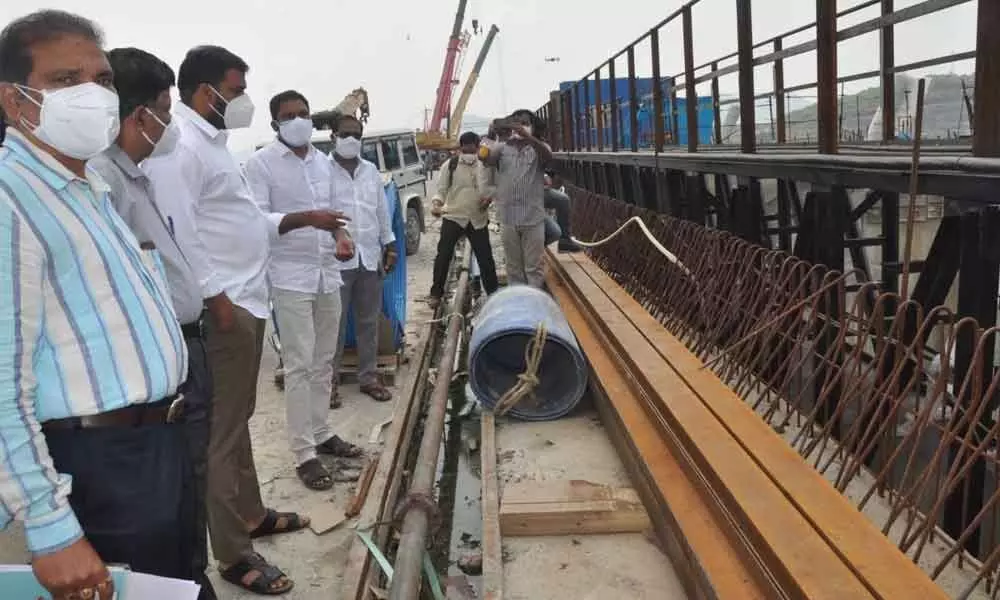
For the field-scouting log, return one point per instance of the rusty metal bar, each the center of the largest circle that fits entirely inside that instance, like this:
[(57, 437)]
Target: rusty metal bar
[(779, 94), (826, 71), (417, 520), (574, 121), (599, 108), (675, 124), (654, 46), (616, 138), (744, 41), (692, 89), (986, 138), (556, 117), (716, 107), (633, 102), (912, 12), (587, 108), (887, 64)]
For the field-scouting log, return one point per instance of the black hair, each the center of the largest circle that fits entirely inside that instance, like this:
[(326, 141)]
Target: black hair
[(537, 125), (20, 35), (343, 118), (140, 78), (468, 138), (206, 64), (285, 96)]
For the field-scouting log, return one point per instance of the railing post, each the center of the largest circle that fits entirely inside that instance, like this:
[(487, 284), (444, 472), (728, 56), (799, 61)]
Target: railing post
[(826, 71), (692, 89), (587, 108), (744, 44), (779, 94), (616, 138), (633, 102), (599, 109), (654, 44), (716, 109)]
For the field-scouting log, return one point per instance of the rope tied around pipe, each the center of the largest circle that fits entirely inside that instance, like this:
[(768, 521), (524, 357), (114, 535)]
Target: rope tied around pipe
[(527, 381)]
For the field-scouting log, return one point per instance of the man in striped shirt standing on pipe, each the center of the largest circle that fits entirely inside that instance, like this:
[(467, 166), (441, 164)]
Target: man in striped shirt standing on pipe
[(91, 351)]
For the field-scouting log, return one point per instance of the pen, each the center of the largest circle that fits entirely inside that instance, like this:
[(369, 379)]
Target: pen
[(170, 225)]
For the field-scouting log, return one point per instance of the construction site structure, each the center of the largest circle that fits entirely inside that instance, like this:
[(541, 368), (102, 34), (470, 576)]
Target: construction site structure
[(355, 103)]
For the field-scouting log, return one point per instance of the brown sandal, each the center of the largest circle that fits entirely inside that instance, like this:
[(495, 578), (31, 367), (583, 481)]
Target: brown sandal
[(377, 392)]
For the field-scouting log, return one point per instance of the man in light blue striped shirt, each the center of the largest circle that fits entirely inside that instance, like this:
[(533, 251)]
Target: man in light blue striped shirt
[(91, 351)]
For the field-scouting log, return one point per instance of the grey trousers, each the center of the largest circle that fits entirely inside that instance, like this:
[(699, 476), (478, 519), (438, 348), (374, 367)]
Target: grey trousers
[(361, 294), (523, 248)]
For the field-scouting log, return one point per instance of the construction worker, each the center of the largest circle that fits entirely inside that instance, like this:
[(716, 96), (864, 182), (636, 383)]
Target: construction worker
[(463, 201), (291, 182)]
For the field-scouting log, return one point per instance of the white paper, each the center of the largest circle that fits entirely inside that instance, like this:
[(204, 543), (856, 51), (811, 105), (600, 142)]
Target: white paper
[(140, 586)]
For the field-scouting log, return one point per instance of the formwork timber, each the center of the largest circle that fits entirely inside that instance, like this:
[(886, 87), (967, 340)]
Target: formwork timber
[(921, 359), (797, 535)]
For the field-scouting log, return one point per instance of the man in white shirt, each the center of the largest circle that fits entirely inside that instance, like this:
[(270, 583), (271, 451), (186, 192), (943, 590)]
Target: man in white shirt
[(359, 190), (225, 237), (291, 183), (143, 82)]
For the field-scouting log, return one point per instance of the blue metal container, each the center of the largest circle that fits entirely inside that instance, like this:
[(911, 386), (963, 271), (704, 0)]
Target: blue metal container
[(502, 331), (394, 286)]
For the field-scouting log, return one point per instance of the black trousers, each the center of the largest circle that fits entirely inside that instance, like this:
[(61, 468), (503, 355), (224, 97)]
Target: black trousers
[(139, 492), (197, 420), (451, 233), (559, 202), (131, 493)]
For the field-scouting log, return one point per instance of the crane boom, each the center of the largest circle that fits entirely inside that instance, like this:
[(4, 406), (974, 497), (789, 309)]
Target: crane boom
[(443, 101), (455, 122)]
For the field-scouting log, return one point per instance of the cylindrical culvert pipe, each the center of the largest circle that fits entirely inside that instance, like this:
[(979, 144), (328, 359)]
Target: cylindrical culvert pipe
[(505, 327)]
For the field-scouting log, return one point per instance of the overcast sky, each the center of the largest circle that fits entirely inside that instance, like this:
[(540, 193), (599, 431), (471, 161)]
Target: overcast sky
[(395, 48)]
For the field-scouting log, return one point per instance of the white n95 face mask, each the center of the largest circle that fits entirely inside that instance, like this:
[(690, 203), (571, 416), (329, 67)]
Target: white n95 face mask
[(348, 147), (168, 139), (296, 132), (239, 111), (80, 121)]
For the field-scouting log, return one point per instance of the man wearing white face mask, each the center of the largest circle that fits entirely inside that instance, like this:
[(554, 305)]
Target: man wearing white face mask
[(92, 355), (225, 238), (143, 82), (358, 188), (292, 183)]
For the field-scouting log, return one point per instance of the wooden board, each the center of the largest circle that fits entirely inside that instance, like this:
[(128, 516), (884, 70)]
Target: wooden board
[(492, 547), (864, 549), (802, 562), (695, 536), (571, 507)]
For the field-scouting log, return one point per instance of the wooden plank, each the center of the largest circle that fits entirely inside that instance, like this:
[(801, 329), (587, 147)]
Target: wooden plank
[(492, 546), (695, 537), (570, 507), (868, 553), (804, 564)]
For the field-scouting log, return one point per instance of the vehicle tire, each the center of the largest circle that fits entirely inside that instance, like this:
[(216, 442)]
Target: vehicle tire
[(412, 231)]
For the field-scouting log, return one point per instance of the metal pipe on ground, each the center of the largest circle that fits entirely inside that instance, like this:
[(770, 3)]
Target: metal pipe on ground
[(420, 498)]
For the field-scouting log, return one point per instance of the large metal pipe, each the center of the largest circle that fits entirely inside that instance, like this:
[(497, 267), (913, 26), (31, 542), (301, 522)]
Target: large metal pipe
[(416, 522)]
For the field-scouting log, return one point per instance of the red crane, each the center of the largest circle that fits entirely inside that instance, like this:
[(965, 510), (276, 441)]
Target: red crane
[(449, 74)]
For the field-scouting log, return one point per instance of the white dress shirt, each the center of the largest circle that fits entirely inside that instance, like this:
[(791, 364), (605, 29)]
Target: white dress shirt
[(303, 260), (362, 198), (221, 230), (132, 197)]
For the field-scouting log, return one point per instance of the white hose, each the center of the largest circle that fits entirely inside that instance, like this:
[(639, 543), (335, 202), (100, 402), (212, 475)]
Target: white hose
[(649, 235)]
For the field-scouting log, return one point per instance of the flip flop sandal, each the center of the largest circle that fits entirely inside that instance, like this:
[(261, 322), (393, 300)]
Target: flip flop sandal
[(292, 521), (314, 475), (263, 584), (377, 392), (338, 447)]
